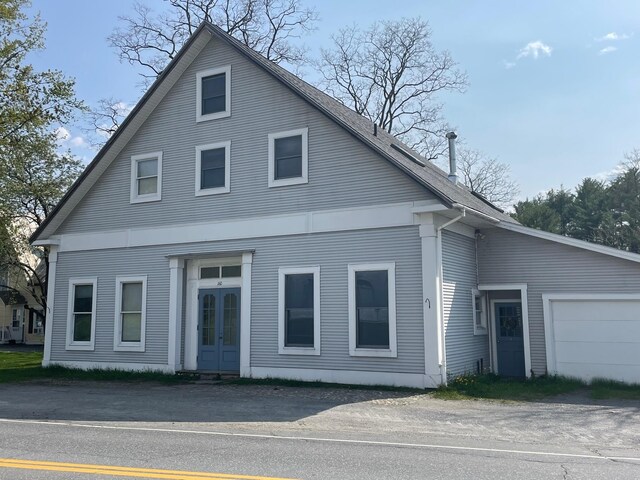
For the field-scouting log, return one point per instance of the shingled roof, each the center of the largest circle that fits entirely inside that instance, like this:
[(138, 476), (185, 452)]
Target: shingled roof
[(428, 174)]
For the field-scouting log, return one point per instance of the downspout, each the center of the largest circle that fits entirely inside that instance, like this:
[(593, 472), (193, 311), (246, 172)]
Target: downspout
[(443, 349)]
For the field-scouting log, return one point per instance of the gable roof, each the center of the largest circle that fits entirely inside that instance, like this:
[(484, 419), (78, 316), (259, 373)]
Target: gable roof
[(429, 175)]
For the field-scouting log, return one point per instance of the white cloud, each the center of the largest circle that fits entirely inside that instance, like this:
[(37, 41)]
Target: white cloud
[(613, 36), (62, 134), (78, 142), (535, 50), (606, 50), (508, 65)]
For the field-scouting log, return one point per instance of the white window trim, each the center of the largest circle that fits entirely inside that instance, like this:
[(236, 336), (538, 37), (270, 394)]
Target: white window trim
[(304, 132), (354, 351), (479, 330), (282, 349), (118, 344), (71, 345), (227, 93), (227, 169), (152, 197)]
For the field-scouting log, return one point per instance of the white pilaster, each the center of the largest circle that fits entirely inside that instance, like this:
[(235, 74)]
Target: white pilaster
[(51, 288), (245, 316), (176, 277), (432, 312)]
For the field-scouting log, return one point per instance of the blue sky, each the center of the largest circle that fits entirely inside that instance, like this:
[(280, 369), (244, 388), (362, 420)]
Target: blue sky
[(549, 95)]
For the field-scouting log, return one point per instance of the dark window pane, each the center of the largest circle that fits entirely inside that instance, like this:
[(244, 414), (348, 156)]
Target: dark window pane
[(231, 271), (372, 309), (298, 305), (288, 157), (209, 320), (210, 272), (212, 165), (83, 298), (288, 168), (213, 94), (82, 327), (230, 320)]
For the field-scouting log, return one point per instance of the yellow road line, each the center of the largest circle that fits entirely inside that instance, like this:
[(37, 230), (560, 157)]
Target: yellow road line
[(124, 471)]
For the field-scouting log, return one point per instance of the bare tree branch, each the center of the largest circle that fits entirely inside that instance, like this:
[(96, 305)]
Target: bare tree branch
[(391, 74)]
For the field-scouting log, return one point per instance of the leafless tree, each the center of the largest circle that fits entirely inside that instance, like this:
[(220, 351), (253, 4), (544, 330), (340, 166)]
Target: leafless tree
[(105, 119), (149, 39), (391, 73), (487, 177)]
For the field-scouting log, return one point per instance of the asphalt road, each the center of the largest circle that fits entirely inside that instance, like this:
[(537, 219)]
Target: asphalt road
[(261, 432)]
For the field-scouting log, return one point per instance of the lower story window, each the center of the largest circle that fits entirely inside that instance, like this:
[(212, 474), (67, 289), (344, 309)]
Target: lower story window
[(82, 313), (372, 315), (130, 313), (299, 310)]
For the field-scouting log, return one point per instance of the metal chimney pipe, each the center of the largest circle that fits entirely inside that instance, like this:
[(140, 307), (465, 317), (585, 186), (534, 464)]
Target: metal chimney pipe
[(453, 176)]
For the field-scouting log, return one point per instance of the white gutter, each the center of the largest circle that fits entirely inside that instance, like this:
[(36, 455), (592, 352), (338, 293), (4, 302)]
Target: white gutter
[(441, 333), (46, 242)]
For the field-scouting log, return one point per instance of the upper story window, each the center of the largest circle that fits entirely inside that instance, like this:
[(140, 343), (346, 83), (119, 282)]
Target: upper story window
[(146, 177), (213, 91), (289, 158), (81, 311), (372, 310), (213, 168)]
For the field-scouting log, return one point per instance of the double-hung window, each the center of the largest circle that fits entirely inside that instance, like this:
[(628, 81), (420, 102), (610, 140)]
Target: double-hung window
[(81, 320), (146, 177), (299, 310), (289, 158), (130, 320), (213, 91), (479, 313), (372, 310), (213, 168)]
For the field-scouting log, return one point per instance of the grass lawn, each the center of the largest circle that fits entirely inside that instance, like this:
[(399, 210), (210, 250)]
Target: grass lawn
[(22, 366), (494, 387), (25, 366)]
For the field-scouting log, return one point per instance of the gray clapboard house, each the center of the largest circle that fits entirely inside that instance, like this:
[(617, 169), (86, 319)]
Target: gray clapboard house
[(242, 221)]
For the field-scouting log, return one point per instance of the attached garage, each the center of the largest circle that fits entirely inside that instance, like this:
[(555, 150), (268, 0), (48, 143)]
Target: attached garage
[(593, 336)]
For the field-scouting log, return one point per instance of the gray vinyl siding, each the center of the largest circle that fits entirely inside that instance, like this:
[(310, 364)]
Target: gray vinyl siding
[(342, 171), (550, 267), (332, 251), (464, 349), (106, 265)]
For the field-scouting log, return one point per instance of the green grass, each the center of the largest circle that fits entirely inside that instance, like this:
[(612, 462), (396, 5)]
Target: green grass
[(25, 366), (601, 389), (495, 387)]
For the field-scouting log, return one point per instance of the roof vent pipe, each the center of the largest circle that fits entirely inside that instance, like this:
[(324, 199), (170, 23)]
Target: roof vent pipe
[(453, 177)]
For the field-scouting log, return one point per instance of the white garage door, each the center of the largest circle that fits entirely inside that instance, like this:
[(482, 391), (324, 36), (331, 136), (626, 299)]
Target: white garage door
[(593, 336)]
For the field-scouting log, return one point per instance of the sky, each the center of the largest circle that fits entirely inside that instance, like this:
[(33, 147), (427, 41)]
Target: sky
[(554, 86)]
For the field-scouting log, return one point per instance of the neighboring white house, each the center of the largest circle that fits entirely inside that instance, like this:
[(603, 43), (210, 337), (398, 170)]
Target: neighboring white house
[(242, 221)]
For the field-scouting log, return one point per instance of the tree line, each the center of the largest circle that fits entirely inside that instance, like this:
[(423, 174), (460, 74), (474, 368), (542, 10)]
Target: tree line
[(606, 212)]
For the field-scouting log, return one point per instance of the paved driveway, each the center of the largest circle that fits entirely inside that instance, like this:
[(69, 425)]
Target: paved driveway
[(571, 432)]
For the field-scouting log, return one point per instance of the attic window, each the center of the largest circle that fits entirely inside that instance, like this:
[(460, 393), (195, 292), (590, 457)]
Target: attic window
[(146, 177), (213, 93), (407, 155), (288, 158)]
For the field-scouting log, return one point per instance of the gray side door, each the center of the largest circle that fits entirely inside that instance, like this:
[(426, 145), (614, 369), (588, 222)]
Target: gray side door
[(509, 339), (219, 330)]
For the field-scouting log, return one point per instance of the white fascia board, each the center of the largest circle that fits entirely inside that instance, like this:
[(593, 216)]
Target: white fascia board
[(375, 216), (573, 242), (132, 126)]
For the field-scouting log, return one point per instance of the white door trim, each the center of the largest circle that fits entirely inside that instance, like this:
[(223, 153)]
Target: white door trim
[(522, 287), (194, 284)]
